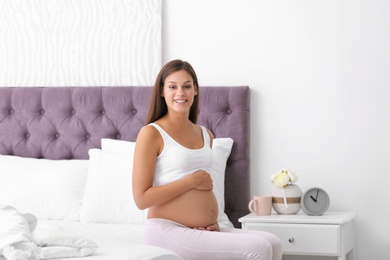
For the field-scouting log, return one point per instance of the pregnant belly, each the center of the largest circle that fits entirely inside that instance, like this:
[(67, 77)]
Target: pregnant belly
[(194, 208)]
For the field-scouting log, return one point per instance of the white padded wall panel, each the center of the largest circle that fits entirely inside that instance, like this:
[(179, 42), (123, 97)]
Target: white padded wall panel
[(79, 42)]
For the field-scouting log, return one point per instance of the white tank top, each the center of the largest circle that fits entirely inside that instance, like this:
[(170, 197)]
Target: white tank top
[(176, 161)]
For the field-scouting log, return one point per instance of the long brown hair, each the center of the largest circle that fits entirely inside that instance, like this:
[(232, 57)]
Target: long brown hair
[(158, 108)]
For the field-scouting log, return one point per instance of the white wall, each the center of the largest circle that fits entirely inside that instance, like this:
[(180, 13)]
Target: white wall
[(319, 73)]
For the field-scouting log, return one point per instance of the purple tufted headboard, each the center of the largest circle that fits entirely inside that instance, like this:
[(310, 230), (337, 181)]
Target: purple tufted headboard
[(65, 122)]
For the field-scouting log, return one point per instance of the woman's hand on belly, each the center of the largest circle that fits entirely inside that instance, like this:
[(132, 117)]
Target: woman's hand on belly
[(202, 180), (212, 227)]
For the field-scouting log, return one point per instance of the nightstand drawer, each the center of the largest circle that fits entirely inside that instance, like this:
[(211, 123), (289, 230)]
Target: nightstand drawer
[(304, 238)]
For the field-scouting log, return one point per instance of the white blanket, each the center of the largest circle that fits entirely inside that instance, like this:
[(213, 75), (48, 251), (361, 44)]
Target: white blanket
[(21, 238)]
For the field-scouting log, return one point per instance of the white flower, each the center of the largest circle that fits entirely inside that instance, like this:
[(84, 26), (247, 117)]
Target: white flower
[(283, 178), (293, 176)]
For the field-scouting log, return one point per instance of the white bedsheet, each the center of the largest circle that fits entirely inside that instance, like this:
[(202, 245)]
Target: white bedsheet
[(22, 237), (115, 242)]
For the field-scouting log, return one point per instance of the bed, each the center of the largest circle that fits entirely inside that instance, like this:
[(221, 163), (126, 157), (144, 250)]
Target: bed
[(64, 158)]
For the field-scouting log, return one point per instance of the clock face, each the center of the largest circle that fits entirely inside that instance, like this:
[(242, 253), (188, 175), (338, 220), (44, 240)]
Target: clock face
[(315, 201)]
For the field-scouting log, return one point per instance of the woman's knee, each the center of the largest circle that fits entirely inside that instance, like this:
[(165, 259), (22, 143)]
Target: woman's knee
[(259, 248), (277, 248)]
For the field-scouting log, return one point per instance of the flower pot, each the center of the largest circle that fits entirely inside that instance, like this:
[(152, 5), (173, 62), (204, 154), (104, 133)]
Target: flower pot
[(286, 200)]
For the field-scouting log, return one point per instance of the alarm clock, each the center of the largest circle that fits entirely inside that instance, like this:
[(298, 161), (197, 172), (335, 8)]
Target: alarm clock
[(315, 201)]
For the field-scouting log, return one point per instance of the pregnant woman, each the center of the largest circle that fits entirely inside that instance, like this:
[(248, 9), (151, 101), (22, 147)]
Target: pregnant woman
[(171, 177)]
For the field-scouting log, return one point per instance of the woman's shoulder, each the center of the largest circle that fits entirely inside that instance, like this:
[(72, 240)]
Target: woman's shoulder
[(208, 131), (148, 132)]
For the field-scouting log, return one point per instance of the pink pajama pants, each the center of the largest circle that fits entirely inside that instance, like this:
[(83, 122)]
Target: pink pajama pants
[(229, 243)]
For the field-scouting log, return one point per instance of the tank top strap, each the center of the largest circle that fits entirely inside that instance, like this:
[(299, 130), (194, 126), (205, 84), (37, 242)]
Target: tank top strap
[(162, 132), (157, 127), (166, 136), (206, 136)]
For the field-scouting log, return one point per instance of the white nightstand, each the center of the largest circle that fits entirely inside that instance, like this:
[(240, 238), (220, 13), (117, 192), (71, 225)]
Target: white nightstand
[(331, 234)]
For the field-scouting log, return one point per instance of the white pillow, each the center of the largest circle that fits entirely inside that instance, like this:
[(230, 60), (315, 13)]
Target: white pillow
[(221, 151), (108, 194), (49, 189), (118, 146)]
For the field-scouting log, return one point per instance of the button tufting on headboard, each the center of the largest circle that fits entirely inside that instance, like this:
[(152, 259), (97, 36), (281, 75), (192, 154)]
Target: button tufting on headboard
[(65, 122)]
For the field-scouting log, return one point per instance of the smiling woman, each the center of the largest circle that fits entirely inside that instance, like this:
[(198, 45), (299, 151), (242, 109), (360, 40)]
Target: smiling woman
[(171, 177), (180, 149), (179, 91)]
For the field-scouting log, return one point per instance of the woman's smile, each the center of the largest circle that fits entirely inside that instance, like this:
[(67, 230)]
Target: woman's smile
[(180, 100)]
